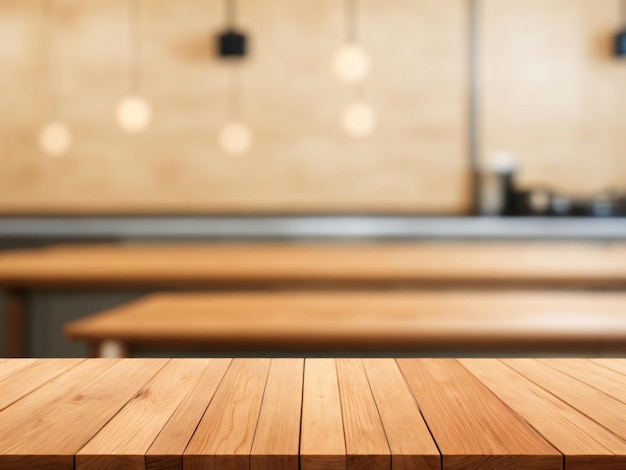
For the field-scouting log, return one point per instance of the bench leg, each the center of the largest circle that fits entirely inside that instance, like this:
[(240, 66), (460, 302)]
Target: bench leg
[(16, 322), (111, 349)]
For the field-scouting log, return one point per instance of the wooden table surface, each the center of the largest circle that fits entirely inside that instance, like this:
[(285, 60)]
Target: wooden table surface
[(283, 266), (288, 264), (323, 414), (517, 321)]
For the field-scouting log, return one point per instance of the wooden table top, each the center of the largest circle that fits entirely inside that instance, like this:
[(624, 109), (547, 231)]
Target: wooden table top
[(320, 413), (256, 264), (519, 321)]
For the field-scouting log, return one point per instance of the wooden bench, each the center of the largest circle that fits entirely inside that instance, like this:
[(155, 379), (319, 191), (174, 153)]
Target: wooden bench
[(313, 414), (478, 322), (309, 266)]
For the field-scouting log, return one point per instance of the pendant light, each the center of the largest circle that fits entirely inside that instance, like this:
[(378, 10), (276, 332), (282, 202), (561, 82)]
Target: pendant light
[(133, 112), (359, 119), (235, 137), (351, 62), (352, 65), (55, 137)]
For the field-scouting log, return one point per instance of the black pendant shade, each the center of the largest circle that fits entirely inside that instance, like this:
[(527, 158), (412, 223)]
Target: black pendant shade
[(232, 44)]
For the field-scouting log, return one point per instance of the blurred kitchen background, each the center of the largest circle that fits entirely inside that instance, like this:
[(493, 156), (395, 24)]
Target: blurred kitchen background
[(335, 121)]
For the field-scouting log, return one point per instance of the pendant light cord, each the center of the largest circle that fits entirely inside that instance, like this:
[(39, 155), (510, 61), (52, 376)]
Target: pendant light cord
[(229, 8), (351, 21), (134, 17), (235, 94), (52, 57)]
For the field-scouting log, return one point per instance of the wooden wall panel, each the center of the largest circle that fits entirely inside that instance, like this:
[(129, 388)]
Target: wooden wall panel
[(553, 93), (301, 161)]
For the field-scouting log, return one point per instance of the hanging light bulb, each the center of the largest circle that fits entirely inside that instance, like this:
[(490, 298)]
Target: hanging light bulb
[(134, 114), (359, 119), (55, 138), (235, 138), (352, 63)]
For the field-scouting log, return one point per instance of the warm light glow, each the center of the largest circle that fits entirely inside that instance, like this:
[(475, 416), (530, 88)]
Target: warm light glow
[(359, 119), (352, 63), (134, 114), (503, 161), (235, 138), (55, 138)]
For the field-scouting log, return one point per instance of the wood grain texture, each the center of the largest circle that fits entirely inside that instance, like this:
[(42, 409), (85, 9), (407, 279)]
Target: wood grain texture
[(473, 428), (277, 439), (15, 382), (223, 439), (46, 428), (428, 320), (618, 365), (408, 436), (287, 414), (607, 380), (8, 367), (166, 451), (589, 400), (322, 440), (124, 441), (491, 265), (366, 443), (585, 444)]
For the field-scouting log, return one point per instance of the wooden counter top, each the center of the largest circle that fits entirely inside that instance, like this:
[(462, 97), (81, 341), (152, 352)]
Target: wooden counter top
[(302, 266), (320, 413), (257, 265)]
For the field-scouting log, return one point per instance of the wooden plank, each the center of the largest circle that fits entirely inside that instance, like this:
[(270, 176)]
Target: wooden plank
[(322, 441), (9, 367), (366, 443), (607, 380), (47, 427), (595, 403), (16, 383), (166, 451), (473, 428), (409, 439), (585, 444), (277, 438), (223, 440), (618, 365), (124, 441)]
